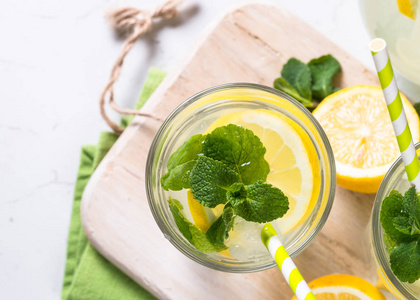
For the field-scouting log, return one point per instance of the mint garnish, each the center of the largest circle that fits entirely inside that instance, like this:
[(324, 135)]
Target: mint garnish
[(400, 217), (308, 82), (405, 261), (178, 178), (259, 202), (210, 180), (392, 207), (240, 149), (219, 230), (389, 243), (403, 225), (181, 222), (191, 232), (227, 167), (180, 164), (412, 205)]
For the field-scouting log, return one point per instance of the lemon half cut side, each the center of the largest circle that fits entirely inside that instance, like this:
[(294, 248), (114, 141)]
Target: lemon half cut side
[(344, 287), (358, 126)]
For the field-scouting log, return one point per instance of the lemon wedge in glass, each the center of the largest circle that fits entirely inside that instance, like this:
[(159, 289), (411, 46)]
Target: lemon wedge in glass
[(408, 8)]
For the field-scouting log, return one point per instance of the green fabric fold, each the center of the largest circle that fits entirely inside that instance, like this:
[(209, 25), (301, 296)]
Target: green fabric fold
[(88, 275)]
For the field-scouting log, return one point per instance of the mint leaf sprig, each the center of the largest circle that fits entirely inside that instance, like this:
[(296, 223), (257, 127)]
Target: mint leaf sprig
[(224, 167), (400, 219), (191, 232), (240, 150), (308, 83), (180, 164), (212, 183)]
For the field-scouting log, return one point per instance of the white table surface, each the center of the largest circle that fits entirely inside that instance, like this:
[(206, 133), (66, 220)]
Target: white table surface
[(55, 57)]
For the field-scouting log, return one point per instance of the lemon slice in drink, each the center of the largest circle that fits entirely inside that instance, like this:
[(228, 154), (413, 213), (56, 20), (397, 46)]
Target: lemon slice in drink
[(344, 287), (203, 216), (358, 126), (294, 167), (408, 8)]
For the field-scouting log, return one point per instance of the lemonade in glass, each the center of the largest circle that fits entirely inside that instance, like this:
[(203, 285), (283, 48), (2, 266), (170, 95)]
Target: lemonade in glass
[(400, 29), (228, 160), (395, 181)]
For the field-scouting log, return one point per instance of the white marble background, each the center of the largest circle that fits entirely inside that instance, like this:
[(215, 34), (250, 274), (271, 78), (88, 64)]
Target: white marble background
[(55, 57)]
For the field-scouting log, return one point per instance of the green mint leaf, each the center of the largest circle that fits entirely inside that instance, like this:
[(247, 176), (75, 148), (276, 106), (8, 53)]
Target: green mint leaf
[(282, 85), (323, 70), (399, 217), (201, 242), (392, 207), (180, 220), (417, 107), (186, 152), (414, 229), (219, 230), (259, 202), (299, 76), (178, 178), (402, 224), (191, 232), (210, 180), (239, 149), (180, 164), (237, 193), (389, 243), (412, 205), (405, 261)]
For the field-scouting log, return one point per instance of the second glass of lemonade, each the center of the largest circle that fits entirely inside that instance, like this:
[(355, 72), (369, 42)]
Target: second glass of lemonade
[(395, 179), (402, 34), (301, 165)]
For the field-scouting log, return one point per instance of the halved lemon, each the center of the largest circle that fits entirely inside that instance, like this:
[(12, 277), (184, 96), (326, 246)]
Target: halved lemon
[(408, 8), (294, 166), (344, 287), (358, 126)]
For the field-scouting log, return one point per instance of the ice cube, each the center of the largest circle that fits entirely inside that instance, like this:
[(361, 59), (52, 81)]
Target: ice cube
[(244, 241)]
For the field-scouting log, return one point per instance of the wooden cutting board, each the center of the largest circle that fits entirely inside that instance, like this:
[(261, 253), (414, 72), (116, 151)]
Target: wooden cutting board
[(249, 44)]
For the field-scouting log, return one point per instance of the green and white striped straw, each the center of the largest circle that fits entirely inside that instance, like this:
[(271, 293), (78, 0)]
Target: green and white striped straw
[(396, 110), (292, 275)]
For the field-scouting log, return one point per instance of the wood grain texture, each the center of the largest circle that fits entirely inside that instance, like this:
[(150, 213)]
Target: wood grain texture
[(249, 44)]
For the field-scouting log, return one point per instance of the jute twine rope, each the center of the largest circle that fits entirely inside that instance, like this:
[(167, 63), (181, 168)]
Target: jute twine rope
[(132, 23)]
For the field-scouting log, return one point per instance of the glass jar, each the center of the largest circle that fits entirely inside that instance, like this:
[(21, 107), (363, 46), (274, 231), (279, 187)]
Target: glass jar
[(402, 34), (194, 116), (395, 179)]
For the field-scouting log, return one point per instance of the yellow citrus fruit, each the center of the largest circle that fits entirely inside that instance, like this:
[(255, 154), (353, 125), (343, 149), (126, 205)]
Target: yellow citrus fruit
[(203, 216), (358, 126), (408, 8), (294, 166), (344, 287)]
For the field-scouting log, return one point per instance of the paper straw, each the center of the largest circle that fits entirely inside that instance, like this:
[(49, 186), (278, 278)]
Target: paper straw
[(292, 275), (396, 110)]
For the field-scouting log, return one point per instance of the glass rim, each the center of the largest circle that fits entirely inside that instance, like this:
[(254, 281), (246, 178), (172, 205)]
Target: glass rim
[(377, 239), (164, 127)]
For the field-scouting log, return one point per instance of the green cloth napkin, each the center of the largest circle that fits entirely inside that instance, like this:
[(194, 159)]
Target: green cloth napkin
[(88, 275)]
